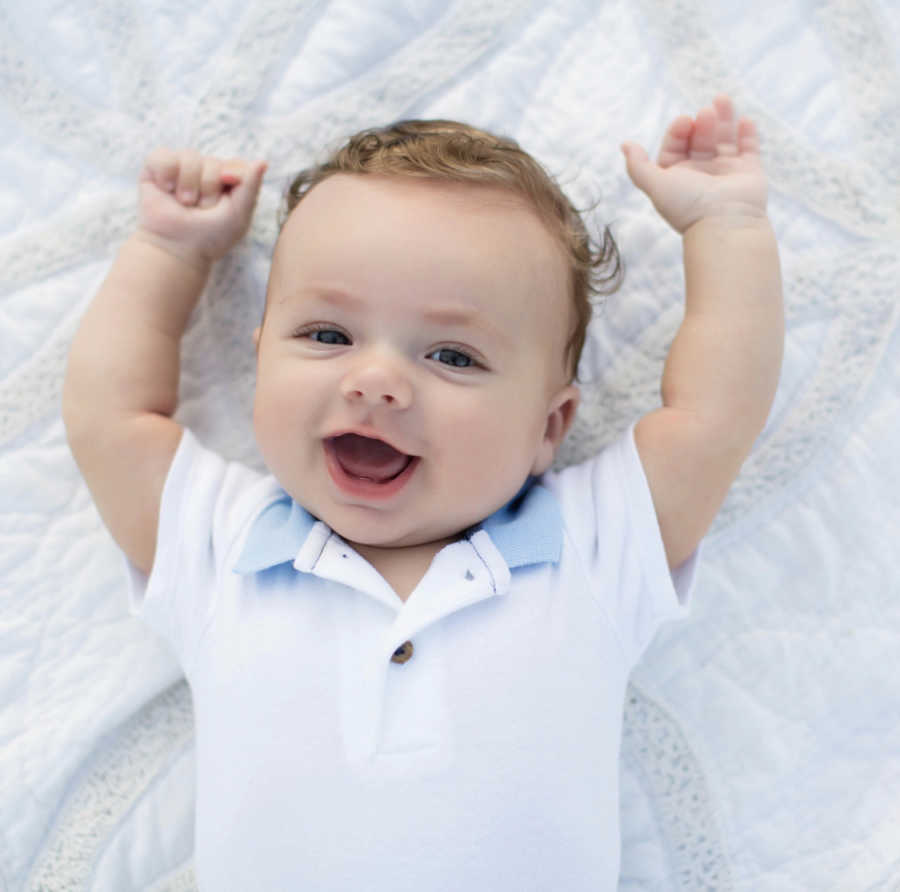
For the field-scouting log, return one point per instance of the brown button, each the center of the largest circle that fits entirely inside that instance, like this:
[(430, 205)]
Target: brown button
[(403, 653)]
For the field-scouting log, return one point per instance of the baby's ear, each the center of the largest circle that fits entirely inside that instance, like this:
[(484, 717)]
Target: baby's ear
[(560, 415)]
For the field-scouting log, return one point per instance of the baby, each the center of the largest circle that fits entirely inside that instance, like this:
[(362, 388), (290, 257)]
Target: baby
[(408, 646)]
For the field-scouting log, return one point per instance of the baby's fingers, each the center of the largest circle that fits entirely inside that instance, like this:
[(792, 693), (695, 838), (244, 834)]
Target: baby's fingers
[(161, 169), (704, 138), (190, 172), (675, 143), (747, 137), (210, 182), (179, 173), (726, 128)]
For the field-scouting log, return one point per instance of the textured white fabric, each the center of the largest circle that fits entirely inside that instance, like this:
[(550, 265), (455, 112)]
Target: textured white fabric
[(761, 744), (490, 759)]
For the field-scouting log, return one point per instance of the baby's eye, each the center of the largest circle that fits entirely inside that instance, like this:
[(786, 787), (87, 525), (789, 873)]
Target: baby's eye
[(449, 356), (327, 336)]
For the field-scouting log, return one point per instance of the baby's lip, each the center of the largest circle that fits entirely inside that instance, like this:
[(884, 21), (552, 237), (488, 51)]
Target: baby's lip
[(371, 435)]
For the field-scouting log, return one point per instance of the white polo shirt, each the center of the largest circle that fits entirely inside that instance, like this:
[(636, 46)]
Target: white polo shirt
[(488, 759)]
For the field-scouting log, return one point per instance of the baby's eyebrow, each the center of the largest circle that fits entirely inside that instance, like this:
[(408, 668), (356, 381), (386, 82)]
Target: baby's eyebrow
[(335, 296), (464, 317), (454, 316), (449, 314)]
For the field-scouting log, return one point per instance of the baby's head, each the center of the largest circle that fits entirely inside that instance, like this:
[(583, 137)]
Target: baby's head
[(430, 290)]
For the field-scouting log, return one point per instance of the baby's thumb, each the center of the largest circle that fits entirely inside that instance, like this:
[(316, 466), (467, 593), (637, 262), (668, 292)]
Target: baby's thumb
[(639, 166), (245, 194)]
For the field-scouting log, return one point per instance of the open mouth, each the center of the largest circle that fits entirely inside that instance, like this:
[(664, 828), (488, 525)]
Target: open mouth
[(367, 466)]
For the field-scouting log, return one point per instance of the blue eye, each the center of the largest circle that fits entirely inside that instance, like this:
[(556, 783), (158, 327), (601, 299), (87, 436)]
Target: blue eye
[(328, 336), (455, 358)]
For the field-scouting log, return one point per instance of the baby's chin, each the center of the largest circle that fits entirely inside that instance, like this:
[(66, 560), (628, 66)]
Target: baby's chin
[(394, 543), (374, 533)]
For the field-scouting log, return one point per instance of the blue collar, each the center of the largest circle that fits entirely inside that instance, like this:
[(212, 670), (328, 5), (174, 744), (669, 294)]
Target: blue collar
[(527, 530)]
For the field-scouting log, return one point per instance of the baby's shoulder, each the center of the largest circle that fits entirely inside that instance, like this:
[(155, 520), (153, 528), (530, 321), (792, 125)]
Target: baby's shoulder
[(215, 495)]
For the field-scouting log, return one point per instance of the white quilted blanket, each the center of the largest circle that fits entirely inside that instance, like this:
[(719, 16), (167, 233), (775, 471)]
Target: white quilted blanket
[(762, 738)]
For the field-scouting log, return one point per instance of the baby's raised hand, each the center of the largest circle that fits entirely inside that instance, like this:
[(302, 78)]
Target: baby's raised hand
[(197, 207), (708, 166)]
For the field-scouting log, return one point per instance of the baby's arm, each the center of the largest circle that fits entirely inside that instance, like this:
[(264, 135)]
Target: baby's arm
[(722, 369), (121, 385)]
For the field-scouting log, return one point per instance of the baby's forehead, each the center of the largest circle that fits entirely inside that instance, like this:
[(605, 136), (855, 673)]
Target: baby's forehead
[(445, 233), (453, 196), (344, 207)]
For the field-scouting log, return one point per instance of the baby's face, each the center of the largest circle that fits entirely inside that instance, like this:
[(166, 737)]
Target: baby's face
[(431, 317)]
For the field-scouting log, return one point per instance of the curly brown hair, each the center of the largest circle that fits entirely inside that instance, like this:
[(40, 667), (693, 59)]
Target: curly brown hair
[(453, 151)]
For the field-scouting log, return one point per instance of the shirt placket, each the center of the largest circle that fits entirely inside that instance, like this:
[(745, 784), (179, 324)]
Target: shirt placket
[(394, 709)]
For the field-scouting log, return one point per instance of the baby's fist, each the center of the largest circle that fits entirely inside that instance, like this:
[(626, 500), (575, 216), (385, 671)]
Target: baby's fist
[(197, 207)]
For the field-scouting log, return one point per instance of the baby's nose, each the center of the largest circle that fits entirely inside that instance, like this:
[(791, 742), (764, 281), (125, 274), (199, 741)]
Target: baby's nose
[(377, 382)]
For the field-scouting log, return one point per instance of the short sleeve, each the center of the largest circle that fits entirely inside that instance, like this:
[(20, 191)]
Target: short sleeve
[(610, 519), (206, 502)]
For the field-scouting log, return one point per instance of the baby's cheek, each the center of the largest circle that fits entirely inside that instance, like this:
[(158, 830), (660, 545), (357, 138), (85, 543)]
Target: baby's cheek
[(266, 434), (496, 451), (265, 409), (273, 413), (511, 422)]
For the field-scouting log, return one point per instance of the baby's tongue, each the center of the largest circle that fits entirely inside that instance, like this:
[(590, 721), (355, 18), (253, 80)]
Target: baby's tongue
[(364, 457)]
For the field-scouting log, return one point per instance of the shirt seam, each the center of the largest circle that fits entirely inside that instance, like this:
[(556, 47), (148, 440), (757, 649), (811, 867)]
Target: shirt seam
[(596, 592)]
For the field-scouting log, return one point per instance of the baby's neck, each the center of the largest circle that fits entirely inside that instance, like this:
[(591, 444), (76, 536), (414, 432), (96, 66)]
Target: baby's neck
[(403, 568)]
